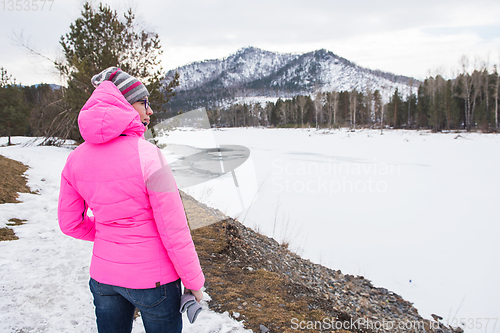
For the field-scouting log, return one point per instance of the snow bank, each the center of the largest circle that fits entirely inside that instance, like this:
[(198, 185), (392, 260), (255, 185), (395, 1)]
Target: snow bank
[(44, 275)]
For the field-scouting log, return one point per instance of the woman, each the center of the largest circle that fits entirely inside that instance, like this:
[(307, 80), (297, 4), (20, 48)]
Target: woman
[(118, 191)]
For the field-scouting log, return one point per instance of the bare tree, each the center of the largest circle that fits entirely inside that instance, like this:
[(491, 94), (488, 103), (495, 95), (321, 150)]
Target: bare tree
[(318, 103), (335, 102), (352, 107), (332, 100), (497, 87), (467, 83), (382, 119), (302, 103), (486, 85), (369, 106), (477, 86), (410, 88)]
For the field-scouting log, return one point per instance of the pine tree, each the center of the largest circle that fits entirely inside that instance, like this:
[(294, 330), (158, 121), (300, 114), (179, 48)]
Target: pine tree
[(277, 112), (99, 39), (379, 107), (309, 110), (395, 110)]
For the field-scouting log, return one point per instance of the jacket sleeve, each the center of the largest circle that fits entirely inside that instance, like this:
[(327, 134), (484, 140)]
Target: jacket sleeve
[(72, 213), (171, 221)]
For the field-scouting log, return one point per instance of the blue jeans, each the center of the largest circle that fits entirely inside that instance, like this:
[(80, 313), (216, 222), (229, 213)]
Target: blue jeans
[(115, 307)]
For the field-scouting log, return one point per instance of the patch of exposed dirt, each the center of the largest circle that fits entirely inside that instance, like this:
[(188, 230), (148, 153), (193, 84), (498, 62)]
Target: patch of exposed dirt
[(7, 234), (12, 181), (15, 222)]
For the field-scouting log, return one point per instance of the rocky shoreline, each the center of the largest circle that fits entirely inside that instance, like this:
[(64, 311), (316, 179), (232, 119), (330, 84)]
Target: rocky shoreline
[(335, 301)]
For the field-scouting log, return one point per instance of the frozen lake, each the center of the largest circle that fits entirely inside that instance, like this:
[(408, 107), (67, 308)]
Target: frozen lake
[(414, 212)]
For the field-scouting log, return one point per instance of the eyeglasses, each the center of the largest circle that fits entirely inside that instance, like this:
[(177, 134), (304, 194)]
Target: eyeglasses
[(147, 105)]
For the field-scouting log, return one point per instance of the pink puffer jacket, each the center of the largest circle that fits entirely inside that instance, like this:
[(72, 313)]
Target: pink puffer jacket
[(139, 228)]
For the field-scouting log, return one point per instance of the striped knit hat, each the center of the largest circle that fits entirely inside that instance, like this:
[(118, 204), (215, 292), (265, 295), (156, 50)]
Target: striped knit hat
[(131, 88)]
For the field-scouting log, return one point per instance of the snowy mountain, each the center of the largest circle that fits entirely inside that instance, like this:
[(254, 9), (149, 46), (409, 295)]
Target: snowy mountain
[(264, 75), (246, 65)]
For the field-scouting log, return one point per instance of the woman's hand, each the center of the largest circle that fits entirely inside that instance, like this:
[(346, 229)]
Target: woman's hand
[(198, 294)]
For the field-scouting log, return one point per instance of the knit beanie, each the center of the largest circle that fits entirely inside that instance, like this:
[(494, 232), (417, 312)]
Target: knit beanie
[(131, 88)]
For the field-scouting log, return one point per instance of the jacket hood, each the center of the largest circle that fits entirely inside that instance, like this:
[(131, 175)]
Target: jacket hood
[(107, 114)]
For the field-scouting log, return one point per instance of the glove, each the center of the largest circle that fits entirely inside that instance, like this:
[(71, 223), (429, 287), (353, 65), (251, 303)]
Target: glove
[(188, 302)]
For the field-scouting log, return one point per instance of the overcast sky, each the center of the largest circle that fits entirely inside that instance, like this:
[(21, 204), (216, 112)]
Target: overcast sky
[(413, 38)]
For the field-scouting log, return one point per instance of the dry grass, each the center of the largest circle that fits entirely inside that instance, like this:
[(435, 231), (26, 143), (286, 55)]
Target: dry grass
[(15, 222), (7, 234), (12, 181)]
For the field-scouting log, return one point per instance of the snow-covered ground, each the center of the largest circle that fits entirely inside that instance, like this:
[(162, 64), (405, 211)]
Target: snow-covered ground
[(414, 212), (44, 275)]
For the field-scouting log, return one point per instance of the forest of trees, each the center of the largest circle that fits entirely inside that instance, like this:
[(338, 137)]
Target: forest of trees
[(467, 102), (27, 110)]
